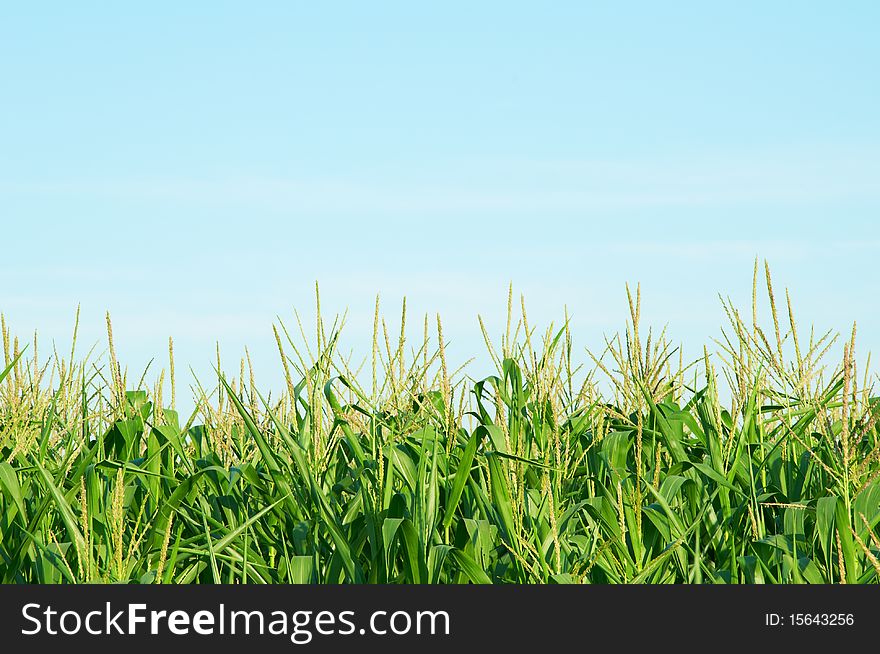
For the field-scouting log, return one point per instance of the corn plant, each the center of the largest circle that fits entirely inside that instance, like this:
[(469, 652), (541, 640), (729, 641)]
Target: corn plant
[(759, 462)]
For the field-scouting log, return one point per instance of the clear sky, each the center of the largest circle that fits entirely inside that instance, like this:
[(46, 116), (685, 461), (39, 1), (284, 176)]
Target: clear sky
[(195, 167)]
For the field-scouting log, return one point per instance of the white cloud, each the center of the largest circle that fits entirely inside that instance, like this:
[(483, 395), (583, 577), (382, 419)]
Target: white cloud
[(517, 187)]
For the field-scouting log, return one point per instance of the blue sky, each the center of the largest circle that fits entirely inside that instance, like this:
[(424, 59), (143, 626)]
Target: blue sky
[(194, 169)]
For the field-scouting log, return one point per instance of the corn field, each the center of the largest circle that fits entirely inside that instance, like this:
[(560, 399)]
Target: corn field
[(758, 462)]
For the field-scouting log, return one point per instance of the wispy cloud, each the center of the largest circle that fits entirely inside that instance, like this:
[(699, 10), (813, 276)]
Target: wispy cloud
[(517, 186), (697, 250)]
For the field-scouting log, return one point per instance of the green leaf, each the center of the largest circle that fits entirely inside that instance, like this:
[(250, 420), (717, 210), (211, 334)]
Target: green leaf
[(9, 482)]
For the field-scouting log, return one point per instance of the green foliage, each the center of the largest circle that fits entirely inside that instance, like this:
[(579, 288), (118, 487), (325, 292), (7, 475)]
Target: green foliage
[(762, 469)]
